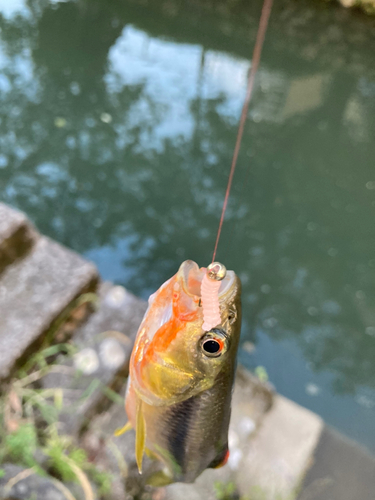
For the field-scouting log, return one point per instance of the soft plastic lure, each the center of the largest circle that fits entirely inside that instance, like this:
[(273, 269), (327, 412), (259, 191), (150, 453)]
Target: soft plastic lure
[(216, 272)]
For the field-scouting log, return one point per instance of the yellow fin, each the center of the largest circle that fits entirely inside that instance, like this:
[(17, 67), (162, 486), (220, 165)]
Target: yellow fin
[(160, 478), (140, 436), (126, 428), (150, 454)]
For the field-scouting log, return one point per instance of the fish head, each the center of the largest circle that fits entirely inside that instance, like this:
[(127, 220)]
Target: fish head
[(173, 357)]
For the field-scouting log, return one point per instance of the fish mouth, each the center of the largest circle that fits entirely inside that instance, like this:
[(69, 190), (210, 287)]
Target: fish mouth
[(191, 277)]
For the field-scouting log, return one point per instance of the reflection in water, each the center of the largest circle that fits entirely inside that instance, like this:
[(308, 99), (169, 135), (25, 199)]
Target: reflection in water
[(117, 142)]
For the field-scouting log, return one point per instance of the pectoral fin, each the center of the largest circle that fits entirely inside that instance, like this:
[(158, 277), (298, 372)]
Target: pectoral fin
[(159, 478), (140, 436), (126, 428), (151, 454)]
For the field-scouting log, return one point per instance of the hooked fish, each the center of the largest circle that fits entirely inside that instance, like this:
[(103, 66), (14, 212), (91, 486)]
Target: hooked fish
[(179, 390)]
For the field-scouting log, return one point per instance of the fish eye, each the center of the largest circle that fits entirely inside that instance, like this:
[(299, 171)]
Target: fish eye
[(211, 347), (213, 343)]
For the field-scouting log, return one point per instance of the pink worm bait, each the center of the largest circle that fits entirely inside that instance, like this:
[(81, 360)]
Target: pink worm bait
[(210, 295)]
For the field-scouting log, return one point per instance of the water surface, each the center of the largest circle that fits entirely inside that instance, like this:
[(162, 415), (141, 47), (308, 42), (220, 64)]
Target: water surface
[(117, 126)]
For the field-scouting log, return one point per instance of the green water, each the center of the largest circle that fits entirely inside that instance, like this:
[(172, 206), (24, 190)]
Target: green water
[(117, 126)]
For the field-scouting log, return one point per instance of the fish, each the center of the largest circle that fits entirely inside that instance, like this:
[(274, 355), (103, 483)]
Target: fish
[(178, 397)]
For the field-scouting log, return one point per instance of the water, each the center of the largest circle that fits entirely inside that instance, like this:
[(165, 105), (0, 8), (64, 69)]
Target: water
[(117, 126)]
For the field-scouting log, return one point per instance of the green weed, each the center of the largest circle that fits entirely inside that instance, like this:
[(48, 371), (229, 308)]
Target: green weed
[(65, 458), (261, 373), (103, 480), (21, 445)]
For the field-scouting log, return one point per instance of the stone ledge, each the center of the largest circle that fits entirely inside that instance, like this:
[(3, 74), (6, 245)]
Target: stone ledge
[(105, 343), (342, 470), (17, 235), (119, 311), (33, 292), (281, 453)]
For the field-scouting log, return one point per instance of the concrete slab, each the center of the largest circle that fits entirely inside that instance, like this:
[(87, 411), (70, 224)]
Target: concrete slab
[(119, 311), (33, 292), (281, 452), (105, 343), (17, 235), (342, 470)]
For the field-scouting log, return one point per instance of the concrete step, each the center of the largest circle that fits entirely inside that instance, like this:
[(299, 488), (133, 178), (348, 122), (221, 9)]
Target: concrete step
[(33, 293), (342, 470), (280, 454), (104, 344), (17, 235)]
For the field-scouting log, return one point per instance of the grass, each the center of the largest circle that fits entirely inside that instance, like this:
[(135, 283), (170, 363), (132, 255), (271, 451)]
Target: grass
[(65, 459), (29, 420), (34, 427)]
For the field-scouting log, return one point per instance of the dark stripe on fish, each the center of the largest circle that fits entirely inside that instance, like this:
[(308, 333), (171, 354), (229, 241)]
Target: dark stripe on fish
[(178, 423)]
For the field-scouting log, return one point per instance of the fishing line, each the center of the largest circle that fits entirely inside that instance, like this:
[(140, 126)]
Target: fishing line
[(263, 23)]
